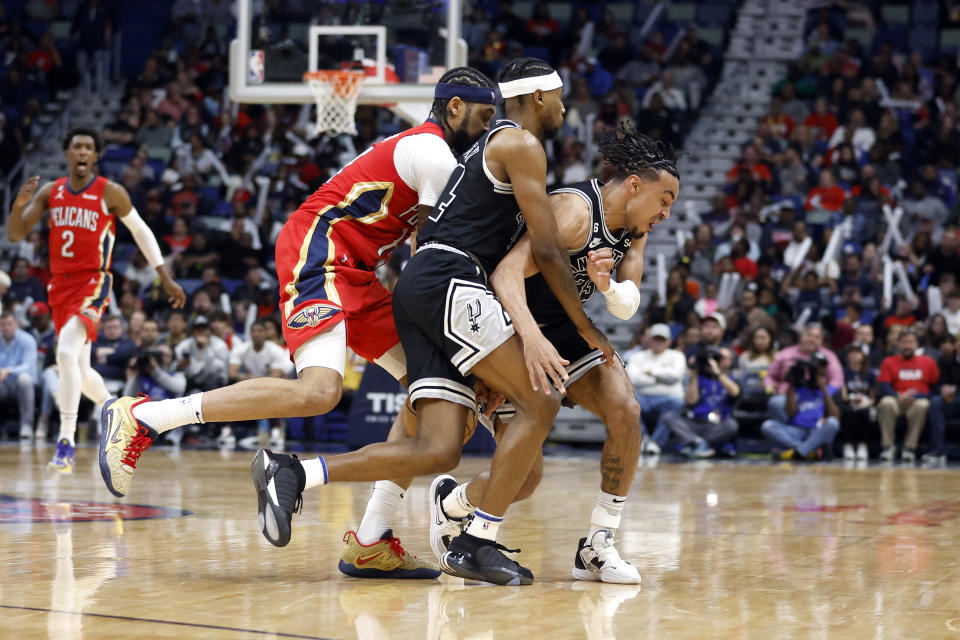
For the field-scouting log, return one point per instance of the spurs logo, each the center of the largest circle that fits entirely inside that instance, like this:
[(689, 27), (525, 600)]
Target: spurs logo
[(473, 315), (312, 316)]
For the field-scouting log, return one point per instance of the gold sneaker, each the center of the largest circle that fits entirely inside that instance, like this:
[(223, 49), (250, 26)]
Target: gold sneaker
[(382, 559), (122, 440)]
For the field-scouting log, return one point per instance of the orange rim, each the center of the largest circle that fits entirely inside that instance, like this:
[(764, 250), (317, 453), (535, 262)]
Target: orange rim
[(344, 83)]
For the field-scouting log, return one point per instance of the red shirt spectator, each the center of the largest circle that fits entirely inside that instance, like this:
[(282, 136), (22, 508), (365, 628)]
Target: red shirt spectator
[(746, 267), (826, 195), (750, 162), (781, 125), (902, 315), (919, 373), (821, 121)]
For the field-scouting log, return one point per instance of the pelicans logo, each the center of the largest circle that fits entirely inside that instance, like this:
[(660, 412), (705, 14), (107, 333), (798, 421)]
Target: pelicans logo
[(312, 316)]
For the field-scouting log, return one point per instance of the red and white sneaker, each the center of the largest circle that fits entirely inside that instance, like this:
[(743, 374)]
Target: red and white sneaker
[(123, 439)]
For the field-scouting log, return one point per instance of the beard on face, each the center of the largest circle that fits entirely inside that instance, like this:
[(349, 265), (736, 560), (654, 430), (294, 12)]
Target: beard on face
[(551, 133), (460, 140)]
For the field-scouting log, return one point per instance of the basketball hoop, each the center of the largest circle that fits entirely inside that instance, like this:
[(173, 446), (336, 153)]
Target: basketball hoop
[(335, 92)]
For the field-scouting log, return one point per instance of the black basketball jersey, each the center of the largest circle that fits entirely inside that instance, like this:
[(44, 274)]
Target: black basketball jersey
[(540, 299), (476, 212)]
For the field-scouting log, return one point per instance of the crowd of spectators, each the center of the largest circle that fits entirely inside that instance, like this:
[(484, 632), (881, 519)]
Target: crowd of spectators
[(758, 288), (833, 243), (216, 181), (38, 59)]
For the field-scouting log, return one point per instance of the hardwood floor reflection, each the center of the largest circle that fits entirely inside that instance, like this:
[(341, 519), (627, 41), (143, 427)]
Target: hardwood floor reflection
[(726, 551)]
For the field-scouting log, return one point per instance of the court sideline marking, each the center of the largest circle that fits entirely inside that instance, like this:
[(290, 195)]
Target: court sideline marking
[(170, 622)]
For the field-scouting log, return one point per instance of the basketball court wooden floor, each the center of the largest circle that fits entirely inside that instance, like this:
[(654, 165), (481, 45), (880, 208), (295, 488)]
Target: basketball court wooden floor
[(726, 551)]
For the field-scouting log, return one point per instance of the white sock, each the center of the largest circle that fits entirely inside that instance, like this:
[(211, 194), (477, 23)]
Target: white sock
[(381, 507), (456, 505), (165, 415), (316, 472), (484, 525), (68, 427), (606, 513)]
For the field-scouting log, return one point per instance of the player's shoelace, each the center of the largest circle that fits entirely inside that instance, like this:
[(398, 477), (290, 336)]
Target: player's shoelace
[(397, 548), (606, 551), (138, 444)]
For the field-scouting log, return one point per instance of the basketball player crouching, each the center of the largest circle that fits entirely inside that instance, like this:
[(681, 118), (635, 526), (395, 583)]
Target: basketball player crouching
[(605, 227), (327, 254)]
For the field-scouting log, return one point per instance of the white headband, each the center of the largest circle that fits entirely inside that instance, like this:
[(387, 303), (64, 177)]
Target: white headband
[(524, 86)]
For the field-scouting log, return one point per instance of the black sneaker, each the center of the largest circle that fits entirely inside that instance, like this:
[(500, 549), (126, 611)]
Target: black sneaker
[(279, 480), (473, 558)]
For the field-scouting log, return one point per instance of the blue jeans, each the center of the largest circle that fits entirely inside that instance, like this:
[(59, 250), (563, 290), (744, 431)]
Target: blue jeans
[(658, 406), (777, 408), (20, 387), (801, 439), (937, 415)]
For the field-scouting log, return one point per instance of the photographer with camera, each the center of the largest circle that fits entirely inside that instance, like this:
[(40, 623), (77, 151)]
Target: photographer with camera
[(153, 372), (776, 383), (813, 412), (710, 394)]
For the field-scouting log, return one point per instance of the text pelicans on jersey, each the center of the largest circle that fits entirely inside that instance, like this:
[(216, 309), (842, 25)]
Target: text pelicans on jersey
[(82, 218)]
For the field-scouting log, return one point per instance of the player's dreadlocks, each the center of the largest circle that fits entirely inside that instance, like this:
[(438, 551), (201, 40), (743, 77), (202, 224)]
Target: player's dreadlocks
[(631, 152), (524, 68), (465, 76)]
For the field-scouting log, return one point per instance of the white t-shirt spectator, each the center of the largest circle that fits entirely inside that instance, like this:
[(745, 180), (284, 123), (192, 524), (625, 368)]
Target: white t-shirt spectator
[(657, 375), (673, 97), (953, 321), (270, 357), (144, 277)]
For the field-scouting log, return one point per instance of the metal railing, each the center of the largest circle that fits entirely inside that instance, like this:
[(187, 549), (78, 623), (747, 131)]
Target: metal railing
[(57, 128)]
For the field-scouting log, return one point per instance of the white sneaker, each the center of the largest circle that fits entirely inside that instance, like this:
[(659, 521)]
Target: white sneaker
[(862, 452), (934, 459), (848, 452), (650, 447), (26, 433), (908, 456), (889, 453), (227, 439), (276, 438), (600, 561), (443, 529), (41, 431)]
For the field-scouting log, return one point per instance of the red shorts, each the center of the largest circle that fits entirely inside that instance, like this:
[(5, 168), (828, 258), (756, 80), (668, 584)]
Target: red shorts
[(315, 295), (84, 294)]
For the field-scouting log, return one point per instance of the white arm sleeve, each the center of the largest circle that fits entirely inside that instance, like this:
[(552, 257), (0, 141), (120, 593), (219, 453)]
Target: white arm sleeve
[(424, 162), (622, 298), (144, 238)]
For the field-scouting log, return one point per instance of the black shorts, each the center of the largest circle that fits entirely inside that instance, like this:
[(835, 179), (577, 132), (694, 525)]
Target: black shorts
[(448, 320), (563, 335)]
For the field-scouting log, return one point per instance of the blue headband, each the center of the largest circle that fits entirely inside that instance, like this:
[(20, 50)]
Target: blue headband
[(482, 95)]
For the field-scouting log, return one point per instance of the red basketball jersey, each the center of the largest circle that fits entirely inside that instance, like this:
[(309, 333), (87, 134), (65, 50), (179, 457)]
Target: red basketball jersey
[(81, 228), (366, 207)]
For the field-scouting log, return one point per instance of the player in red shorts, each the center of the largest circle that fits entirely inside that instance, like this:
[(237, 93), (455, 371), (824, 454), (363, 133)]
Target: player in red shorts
[(83, 207), (330, 298)]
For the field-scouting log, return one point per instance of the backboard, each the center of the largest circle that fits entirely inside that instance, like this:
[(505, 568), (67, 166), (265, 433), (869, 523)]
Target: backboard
[(404, 47)]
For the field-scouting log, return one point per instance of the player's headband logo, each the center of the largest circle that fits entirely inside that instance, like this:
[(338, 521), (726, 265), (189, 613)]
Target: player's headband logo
[(482, 95), (524, 86)]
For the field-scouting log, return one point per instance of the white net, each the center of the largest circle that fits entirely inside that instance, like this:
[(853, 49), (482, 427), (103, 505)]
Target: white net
[(336, 96)]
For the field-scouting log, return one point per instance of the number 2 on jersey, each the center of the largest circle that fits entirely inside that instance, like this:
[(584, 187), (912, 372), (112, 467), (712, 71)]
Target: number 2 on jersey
[(65, 249)]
